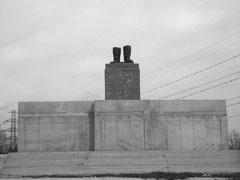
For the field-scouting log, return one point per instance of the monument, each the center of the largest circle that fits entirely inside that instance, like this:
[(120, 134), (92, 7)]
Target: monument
[(122, 79), (122, 121), (121, 134)]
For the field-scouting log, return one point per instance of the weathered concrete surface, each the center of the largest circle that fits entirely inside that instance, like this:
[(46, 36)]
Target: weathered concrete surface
[(55, 126), (160, 125), (117, 162), (119, 125)]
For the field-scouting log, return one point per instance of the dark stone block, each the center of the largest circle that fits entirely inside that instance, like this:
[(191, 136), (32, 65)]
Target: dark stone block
[(122, 81)]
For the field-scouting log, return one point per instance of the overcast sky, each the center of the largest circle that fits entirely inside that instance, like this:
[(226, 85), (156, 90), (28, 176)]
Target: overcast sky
[(57, 50)]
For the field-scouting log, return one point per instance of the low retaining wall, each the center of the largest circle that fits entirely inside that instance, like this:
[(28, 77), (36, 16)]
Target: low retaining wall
[(122, 125)]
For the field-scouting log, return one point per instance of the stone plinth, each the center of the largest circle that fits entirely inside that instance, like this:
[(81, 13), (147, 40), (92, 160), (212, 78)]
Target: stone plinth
[(122, 81)]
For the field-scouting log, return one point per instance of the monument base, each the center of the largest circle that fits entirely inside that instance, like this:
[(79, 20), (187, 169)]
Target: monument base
[(122, 125), (173, 137), (122, 81)]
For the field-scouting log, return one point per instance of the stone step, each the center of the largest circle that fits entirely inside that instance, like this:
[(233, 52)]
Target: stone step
[(115, 162)]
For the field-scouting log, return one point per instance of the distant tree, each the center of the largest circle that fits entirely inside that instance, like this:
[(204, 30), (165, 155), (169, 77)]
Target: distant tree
[(234, 140), (3, 143)]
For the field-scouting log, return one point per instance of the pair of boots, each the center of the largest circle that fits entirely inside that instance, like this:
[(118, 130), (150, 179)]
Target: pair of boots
[(126, 53)]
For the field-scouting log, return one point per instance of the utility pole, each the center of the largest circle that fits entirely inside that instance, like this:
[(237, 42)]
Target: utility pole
[(13, 132)]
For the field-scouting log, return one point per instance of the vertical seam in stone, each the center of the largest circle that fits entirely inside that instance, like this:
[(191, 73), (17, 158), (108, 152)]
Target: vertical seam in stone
[(150, 133), (130, 129), (93, 131), (104, 131), (53, 143), (194, 135), (66, 128), (38, 131), (220, 126), (24, 135), (180, 126), (116, 120), (226, 131), (101, 133), (79, 122), (206, 122), (144, 133), (166, 130)]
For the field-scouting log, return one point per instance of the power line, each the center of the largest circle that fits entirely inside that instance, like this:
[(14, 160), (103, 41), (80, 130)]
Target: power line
[(8, 120), (9, 129), (200, 85), (230, 99), (236, 115), (193, 81), (13, 135), (234, 104), (205, 56), (226, 82), (196, 52), (4, 130), (192, 74)]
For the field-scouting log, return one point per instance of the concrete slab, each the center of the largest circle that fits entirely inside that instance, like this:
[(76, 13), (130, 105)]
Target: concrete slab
[(45, 134), (224, 132), (56, 126), (121, 132), (31, 139), (213, 133), (59, 137), (158, 129), (187, 133), (200, 133), (174, 133)]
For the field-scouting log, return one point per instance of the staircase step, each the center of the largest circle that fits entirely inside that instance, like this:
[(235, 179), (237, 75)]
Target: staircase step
[(116, 162)]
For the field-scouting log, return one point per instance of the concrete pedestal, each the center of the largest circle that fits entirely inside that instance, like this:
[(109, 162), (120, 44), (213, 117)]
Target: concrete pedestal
[(118, 125), (122, 81)]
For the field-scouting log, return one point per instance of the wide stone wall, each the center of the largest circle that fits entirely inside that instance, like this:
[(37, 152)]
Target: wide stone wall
[(122, 125), (55, 126), (160, 125)]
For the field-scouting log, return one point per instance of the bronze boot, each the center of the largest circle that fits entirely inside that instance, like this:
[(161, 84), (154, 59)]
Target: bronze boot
[(116, 54), (127, 54)]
